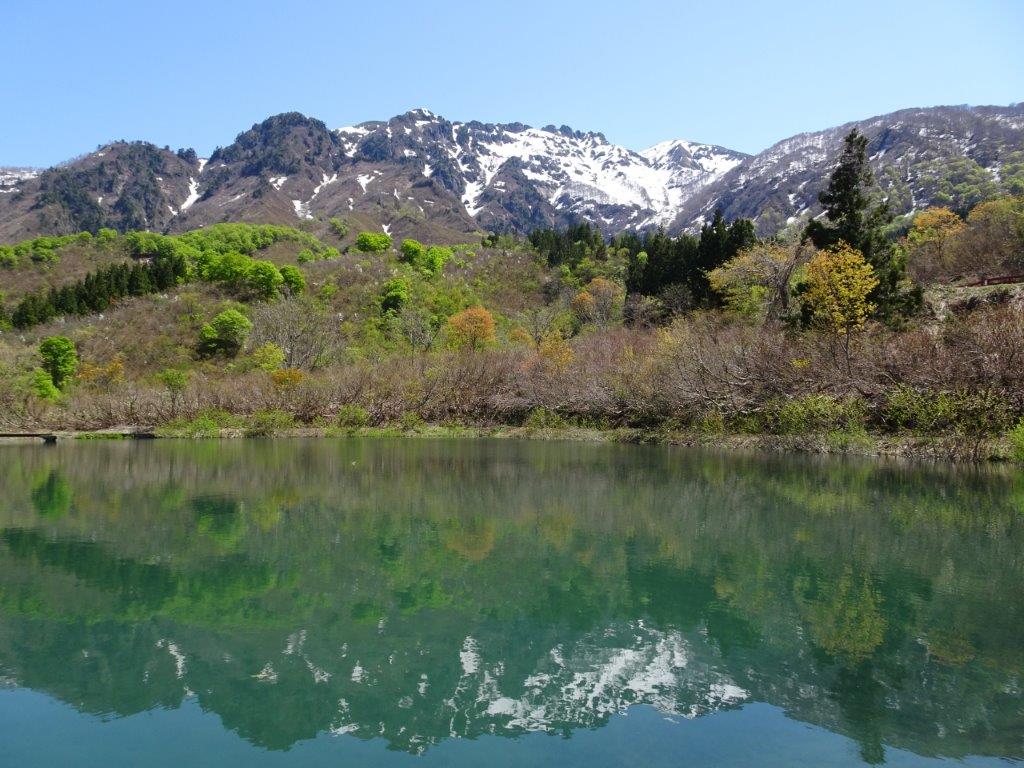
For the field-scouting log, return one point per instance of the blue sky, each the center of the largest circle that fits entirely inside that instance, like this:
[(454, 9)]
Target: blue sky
[(741, 74)]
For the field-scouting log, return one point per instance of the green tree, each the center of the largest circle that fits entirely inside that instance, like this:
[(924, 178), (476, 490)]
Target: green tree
[(435, 258), (394, 295), (42, 385), (427, 260), (268, 357), (756, 282), (338, 226), (175, 380), (847, 200), (230, 268), (293, 279), (263, 280), (60, 359), (412, 251), (719, 242), (225, 334)]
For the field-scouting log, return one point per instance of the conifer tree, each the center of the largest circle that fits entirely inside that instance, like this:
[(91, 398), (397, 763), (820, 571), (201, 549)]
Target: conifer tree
[(855, 219)]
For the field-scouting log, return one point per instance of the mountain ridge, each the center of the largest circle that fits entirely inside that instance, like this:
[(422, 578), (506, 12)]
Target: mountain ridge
[(419, 174)]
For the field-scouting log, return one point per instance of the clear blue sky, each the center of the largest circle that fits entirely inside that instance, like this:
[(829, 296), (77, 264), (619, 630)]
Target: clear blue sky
[(743, 74)]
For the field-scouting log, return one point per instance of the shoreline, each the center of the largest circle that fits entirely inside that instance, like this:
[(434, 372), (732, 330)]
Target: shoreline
[(951, 448)]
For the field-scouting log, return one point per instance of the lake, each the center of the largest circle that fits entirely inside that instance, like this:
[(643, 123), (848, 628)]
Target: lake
[(492, 602)]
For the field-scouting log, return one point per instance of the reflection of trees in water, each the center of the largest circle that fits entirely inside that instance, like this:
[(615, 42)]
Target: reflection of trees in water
[(52, 496), (846, 617), (880, 601)]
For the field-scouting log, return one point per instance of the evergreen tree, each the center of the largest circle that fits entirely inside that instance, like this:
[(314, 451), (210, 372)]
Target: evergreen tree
[(139, 281), (719, 242)]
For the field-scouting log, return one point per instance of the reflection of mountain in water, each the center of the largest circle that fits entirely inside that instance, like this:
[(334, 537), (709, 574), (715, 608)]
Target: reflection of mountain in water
[(423, 591), (580, 686), (583, 685)]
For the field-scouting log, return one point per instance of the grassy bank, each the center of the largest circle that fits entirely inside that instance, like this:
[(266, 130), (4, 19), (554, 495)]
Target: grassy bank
[(942, 447)]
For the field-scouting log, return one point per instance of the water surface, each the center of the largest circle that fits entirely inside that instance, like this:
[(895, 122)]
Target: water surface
[(422, 603)]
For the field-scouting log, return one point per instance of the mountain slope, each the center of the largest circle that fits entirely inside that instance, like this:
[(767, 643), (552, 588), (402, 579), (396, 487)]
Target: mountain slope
[(944, 155), (124, 185), (421, 175)]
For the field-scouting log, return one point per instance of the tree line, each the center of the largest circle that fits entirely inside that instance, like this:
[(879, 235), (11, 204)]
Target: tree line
[(656, 264), (98, 290)]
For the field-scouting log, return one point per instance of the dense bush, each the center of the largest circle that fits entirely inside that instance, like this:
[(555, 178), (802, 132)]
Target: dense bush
[(808, 414), (293, 279), (338, 226), (352, 416), (249, 238), (428, 260), (263, 280), (989, 243), (225, 334), (42, 385), (268, 423), (1017, 442), (394, 295), (981, 412), (373, 242), (219, 253)]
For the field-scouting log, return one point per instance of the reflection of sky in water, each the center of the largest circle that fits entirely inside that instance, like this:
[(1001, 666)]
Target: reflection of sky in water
[(758, 734), (457, 603)]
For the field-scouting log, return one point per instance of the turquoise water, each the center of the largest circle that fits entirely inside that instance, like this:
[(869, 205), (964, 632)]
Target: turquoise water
[(449, 603)]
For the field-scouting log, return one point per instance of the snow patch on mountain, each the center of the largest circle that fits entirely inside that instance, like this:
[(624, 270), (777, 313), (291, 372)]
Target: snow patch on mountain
[(9, 176), (193, 194), (302, 209)]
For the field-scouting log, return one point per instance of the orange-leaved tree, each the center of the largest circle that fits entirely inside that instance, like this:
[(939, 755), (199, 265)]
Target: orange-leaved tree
[(600, 301), (471, 328)]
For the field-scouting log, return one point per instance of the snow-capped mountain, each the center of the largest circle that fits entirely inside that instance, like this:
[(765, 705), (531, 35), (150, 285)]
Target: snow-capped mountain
[(494, 169), (421, 175)]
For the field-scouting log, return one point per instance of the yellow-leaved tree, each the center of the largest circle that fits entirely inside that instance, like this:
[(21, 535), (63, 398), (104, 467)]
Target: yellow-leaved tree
[(934, 224), (838, 283), (929, 240)]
